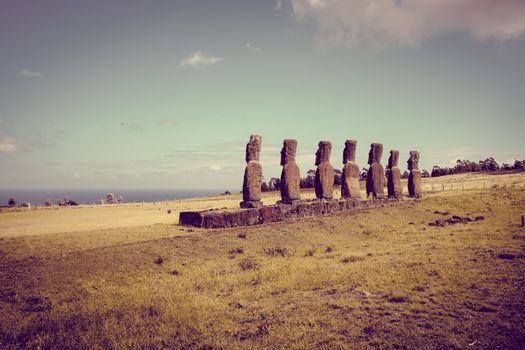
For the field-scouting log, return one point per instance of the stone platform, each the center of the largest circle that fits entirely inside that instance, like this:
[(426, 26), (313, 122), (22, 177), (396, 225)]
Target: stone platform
[(278, 212)]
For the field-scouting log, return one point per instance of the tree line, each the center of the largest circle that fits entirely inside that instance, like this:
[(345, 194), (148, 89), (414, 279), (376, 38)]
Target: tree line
[(467, 166)]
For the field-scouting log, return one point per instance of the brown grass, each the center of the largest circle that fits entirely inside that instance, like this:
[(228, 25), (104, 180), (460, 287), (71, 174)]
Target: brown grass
[(378, 279)]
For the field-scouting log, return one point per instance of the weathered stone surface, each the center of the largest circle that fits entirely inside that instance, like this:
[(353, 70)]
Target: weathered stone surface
[(350, 176), (324, 175), (290, 176), (251, 188), (414, 178), (278, 212), (375, 180), (394, 176)]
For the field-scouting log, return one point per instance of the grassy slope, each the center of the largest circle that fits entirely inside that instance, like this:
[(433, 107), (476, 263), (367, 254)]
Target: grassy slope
[(378, 279)]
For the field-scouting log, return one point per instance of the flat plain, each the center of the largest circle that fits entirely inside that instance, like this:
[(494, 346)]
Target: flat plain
[(130, 277)]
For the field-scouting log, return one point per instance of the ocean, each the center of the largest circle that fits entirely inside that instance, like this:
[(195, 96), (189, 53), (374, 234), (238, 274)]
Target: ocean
[(83, 196)]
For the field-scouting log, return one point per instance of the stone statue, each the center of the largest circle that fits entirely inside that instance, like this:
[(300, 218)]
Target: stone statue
[(290, 176), (251, 187), (324, 175), (414, 178), (375, 180), (394, 176), (350, 176)]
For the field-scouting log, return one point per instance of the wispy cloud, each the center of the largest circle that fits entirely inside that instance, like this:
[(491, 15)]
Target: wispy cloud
[(215, 167), (278, 5), (132, 126), (28, 73), (7, 148), (198, 59), (409, 22), (168, 122), (253, 48)]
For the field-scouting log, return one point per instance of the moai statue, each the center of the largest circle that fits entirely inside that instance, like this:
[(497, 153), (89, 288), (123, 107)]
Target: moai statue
[(375, 180), (414, 178), (251, 187), (290, 176), (394, 176), (350, 177), (324, 175)]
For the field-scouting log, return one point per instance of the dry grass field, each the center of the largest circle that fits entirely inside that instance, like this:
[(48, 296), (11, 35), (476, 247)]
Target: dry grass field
[(129, 277)]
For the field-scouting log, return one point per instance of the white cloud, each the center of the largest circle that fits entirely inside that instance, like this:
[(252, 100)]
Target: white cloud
[(278, 5), (27, 73), (168, 122), (378, 23), (7, 148), (198, 59), (215, 167), (132, 126), (253, 48)]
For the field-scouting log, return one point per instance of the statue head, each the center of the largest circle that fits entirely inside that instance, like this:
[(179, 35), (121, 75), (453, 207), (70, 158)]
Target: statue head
[(376, 151), (253, 148), (288, 151), (323, 152), (349, 151), (393, 159), (413, 160)]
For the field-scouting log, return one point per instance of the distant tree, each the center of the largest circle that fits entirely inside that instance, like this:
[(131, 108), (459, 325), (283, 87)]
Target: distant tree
[(337, 177), (264, 187), (489, 164), (11, 202), (519, 164), (110, 198), (364, 173), (65, 201), (274, 184), (404, 175), (424, 173), (48, 203), (506, 166), (120, 199), (309, 180)]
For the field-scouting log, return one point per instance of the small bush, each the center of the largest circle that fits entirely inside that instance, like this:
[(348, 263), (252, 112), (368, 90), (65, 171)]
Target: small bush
[(242, 235), (158, 260), (276, 251), (329, 250), (238, 250), (352, 259), (248, 263), (310, 252)]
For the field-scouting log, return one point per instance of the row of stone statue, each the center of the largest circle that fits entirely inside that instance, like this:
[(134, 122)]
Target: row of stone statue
[(324, 175)]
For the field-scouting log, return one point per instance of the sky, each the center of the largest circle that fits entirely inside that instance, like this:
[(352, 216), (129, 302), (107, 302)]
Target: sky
[(165, 94)]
